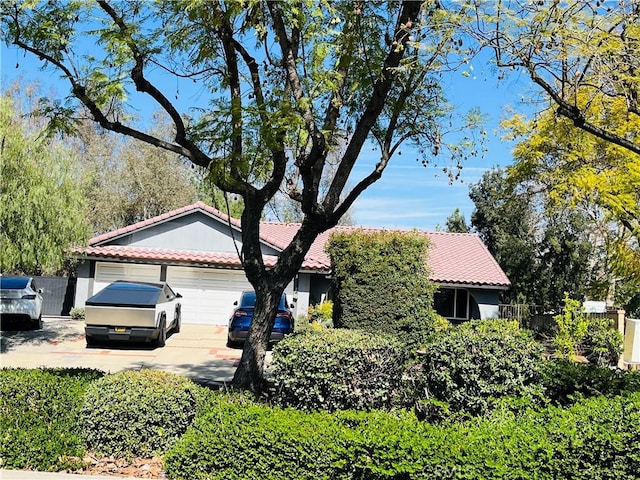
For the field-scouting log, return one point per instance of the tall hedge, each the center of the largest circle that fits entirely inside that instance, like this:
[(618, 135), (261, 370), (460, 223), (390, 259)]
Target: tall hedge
[(381, 283)]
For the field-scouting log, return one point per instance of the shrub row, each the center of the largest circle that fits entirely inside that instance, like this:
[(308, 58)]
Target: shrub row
[(38, 417), (598, 438), (50, 417), (463, 369)]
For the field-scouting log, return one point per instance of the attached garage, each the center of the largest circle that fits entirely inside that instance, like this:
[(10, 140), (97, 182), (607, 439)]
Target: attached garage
[(207, 294)]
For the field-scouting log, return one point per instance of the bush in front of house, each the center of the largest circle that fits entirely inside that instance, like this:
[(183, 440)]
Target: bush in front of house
[(237, 438), (334, 369), (38, 417), (470, 367), (138, 413), (576, 333), (566, 382), (381, 283), (596, 438)]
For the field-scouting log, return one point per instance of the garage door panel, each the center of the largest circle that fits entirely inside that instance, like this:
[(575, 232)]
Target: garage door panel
[(207, 294), (107, 273)]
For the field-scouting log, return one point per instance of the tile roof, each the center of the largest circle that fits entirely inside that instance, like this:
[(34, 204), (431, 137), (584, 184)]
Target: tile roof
[(457, 258)]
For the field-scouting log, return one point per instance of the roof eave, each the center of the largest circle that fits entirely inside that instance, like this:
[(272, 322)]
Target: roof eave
[(479, 286)]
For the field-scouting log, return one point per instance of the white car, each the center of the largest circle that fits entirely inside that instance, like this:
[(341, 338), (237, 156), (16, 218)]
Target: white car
[(21, 300)]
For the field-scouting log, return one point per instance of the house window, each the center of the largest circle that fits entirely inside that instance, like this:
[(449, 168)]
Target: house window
[(452, 303)]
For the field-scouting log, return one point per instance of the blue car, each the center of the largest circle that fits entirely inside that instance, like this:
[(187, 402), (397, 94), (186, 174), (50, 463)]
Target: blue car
[(242, 315)]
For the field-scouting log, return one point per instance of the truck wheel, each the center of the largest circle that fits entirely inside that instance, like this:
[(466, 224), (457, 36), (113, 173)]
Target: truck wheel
[(162, 335)]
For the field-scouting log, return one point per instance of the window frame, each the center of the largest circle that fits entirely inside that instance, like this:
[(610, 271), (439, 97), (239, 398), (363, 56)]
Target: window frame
[(456, 292)]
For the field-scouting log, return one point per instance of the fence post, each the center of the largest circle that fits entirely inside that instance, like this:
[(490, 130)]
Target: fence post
[(618, 317)]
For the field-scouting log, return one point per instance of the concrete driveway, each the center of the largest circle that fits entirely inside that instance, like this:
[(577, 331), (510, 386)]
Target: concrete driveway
[(198, 351)]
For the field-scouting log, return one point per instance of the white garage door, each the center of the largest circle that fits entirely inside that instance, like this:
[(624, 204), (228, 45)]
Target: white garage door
[(107, 273), (207, 294)]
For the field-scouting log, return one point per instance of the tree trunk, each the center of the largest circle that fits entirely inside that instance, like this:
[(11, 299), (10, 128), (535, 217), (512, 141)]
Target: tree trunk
[(250, 373)]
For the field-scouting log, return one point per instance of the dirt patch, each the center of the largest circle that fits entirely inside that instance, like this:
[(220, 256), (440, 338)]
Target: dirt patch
[(125, 467)]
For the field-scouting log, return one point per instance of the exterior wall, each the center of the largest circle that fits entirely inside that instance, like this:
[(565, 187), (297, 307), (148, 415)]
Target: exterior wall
[(488, 301), (84, 283), (196, 231), (301, 294)]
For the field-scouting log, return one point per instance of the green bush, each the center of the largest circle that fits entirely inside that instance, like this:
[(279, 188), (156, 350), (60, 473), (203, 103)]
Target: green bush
[(602, 344), (322, 314), (38, 417), (473, 365), (238, 440), (77, 313), (571, 328), (137, 412), (381, 284), (337, 369), (566, 382)]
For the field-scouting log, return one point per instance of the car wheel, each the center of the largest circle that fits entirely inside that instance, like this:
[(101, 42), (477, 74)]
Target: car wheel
[(162, 335), (91, 342), (230, 343), (178, 319), (37, 325)]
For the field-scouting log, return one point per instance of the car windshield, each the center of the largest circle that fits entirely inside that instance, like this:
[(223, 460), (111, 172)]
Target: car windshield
[(248, 300), (13, 283), (127, 294)]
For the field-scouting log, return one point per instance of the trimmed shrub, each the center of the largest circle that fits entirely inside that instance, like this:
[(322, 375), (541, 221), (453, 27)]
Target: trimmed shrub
[(381, 283), (239, 440), (337, 369), (473, 365), (137, 412), (38, 417)]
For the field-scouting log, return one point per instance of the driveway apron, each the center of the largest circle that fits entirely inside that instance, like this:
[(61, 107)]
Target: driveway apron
[(197, 351)]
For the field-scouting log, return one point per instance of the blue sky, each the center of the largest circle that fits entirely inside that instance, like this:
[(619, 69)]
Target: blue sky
[(408, 195)]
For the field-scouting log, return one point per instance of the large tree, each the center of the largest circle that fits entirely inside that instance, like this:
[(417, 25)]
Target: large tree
[(576, 170), (583, 54), (42, 212), (506, 222), (126, 180), (280, 84)]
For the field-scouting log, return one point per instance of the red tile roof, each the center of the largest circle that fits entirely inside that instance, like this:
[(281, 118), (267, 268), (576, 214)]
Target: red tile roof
[(457, 258)]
